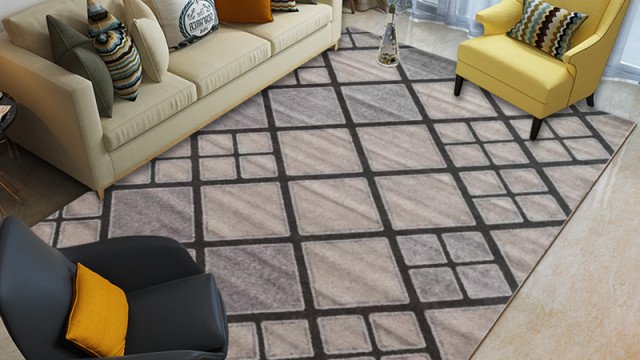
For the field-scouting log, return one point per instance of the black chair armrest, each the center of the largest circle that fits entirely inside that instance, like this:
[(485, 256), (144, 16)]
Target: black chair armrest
[(168, 355), (135, 262)]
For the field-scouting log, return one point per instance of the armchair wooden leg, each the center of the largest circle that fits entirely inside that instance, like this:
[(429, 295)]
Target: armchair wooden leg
[(590, 101), (353, 6), (458, 86), (100, 193), (535, 128)]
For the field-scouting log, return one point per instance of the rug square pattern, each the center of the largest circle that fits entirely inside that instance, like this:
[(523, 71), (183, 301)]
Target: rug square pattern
[(351, 211)]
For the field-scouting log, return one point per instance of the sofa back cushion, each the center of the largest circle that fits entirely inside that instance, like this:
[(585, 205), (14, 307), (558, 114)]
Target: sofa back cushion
[(28, 28)]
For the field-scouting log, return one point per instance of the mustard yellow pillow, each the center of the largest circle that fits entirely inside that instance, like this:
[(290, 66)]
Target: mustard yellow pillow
[(246, 11), (99, 315)]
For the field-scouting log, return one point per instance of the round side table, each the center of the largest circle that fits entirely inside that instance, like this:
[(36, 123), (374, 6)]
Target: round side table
[(5, 121)]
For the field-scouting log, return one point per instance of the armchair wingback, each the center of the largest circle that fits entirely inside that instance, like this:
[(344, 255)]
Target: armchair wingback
[(530, 79)]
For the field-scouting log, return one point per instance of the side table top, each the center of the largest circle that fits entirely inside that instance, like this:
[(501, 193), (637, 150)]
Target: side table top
[(6, 121)]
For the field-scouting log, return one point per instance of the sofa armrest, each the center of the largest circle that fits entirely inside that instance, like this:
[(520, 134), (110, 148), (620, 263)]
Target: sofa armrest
[(57, 115), (498, 19), (336, 5)]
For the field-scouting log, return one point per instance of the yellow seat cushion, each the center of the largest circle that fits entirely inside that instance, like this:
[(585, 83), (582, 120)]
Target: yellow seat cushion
[(99, 315), (288, 28), (522, 67)]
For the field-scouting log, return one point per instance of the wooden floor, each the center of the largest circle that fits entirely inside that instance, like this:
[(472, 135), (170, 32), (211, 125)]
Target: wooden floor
[(44, 188)]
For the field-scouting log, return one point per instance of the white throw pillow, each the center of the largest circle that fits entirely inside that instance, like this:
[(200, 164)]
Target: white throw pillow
[(184, 21), (149, 39)]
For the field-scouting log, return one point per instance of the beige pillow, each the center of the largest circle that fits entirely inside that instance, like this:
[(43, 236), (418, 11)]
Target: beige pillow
[(148, 37)]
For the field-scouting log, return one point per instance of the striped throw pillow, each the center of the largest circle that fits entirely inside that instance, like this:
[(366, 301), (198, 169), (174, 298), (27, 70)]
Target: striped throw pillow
[(115, 47), (284, 5), (547, 27)]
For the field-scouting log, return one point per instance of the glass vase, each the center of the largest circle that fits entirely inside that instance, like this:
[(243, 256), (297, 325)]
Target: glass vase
[(389, 54)]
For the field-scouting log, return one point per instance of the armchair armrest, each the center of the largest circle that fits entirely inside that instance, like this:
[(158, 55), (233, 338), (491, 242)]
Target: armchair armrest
[(499, 18), (137, 262), (168, 355), (57, 115)]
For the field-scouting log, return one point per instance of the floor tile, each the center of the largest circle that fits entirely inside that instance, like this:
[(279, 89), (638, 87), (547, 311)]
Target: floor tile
[(413, 201), (344, 334), (540, 208), (454, 133), (140, 212), (467, 155), (491, 130), (359, 66), (467, 246), (256, 278), (483, 281), (523, 180), (334, 206), (522, 248), (172, 171), (258, 166), (455, 338), (287, 339), (305, 106), (498, 210), (482, 183), (249, 143), (243, 342), (421, 249), (219, 168), (243, 211), (440, 103), (587, 149), (375, 103), (396, 331), (327, 151), (349, 273), (506, 153), (400, 148), (435, 284)]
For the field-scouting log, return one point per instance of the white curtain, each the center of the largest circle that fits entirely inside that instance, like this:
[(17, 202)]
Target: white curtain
[(625, 58)]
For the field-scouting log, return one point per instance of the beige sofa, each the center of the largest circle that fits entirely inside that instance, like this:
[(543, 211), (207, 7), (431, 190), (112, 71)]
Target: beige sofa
[(58, 118)]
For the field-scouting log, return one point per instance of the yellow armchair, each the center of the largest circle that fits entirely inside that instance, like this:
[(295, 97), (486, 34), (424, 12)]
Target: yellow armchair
[(529, 78)]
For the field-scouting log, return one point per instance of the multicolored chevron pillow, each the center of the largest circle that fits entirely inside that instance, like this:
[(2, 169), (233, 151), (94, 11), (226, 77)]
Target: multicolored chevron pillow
[(547, 27), (115, 47), (284, 5)]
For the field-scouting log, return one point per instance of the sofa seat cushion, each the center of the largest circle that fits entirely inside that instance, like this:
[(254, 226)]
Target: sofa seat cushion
[(288, 28), (184, 314), (217, 59), (156, 103), (521, 66)]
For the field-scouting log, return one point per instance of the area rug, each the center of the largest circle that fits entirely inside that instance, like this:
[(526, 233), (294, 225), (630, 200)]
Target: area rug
[(354, 211)]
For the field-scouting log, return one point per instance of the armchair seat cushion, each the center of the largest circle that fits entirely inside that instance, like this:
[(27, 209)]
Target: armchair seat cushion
[(184, 314), (522, 67), (156, 103)]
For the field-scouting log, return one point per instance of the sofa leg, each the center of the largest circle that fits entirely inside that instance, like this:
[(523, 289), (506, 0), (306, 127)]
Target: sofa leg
[(536, 124), (100, 193), (458, 86), (590, 101), (335, 47)]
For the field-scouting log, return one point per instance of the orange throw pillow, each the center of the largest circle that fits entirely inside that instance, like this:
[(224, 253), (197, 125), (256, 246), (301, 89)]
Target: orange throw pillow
[(244, 11), (99, 315)]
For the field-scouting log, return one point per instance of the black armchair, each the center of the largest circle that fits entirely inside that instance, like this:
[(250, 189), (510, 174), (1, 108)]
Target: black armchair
[(175, 309)]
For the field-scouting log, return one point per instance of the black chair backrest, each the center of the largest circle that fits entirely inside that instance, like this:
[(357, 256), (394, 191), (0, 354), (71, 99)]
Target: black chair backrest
[(36, 283)]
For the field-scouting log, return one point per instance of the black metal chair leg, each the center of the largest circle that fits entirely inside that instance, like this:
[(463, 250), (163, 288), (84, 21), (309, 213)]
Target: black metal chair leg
[(458, 86), (535, 128), (590, 101)]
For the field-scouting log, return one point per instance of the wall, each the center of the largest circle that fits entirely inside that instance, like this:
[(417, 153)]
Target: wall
[(10, 7)]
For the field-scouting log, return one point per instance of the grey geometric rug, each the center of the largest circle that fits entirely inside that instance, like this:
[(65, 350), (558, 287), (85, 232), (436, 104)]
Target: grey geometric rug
[(354, 211)]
